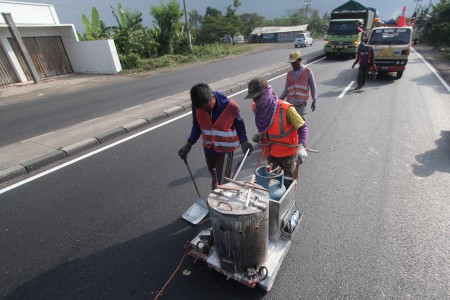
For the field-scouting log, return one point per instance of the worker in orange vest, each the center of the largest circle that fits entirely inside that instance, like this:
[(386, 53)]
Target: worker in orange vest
[(281, 130), (299, 83), (217, 119)]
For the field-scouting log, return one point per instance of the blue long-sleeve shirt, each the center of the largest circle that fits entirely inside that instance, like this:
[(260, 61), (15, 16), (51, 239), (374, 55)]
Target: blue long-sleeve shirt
[(221, 103)]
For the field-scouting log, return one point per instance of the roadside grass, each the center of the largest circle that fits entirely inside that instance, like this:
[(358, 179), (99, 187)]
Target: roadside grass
[(132, 64)]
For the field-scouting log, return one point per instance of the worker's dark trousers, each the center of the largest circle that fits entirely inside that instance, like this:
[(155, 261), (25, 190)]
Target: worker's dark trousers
[(215, 161), (363, 71)]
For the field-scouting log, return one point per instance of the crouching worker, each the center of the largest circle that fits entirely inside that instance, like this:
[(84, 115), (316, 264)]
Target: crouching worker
[(282, 133), (217, 119)]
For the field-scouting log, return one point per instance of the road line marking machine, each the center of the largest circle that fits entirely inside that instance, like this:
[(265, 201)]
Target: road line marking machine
[(252, 224)]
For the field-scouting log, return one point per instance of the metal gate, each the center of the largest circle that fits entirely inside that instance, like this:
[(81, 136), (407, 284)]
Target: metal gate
[(48, 54), (7, 75)]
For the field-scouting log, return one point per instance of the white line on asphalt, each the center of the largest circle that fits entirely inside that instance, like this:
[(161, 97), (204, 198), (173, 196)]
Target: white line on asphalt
[(346, 90), (434, 71), (91, 120), (283, 74), (133, 107), (49, 171), (36, 137)]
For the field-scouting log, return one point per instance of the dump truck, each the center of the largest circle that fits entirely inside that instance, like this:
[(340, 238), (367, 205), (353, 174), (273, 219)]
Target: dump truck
[(347, 24)]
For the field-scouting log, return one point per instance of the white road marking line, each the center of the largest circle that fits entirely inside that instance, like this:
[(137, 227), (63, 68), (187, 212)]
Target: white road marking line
[(346, 90), (434, 71), (133, 107), (36, 137), (88, 121)]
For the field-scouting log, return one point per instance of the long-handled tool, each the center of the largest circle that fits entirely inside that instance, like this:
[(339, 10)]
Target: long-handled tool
[(199, 209)]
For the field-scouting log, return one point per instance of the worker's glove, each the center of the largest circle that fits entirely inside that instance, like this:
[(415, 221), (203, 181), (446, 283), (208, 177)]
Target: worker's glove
[(183, 152), (313, 105), (245, 145), (301, 153), (257, 137)]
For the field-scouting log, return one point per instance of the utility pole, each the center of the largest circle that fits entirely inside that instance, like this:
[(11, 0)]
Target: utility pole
[(307, 3), (187, 25), (417, 4)]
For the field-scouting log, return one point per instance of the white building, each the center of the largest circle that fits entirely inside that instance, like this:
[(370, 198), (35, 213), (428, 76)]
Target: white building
[(54, 48)]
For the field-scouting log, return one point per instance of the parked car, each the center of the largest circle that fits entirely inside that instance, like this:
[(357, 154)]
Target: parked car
[(238, 39), (303, 40), (227, 39)]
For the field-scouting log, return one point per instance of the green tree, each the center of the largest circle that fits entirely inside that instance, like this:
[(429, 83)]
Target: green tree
[(436, 27), (130, 36), (212, 12), (250, 21), (195, 23), (95, 29), (167, 19)]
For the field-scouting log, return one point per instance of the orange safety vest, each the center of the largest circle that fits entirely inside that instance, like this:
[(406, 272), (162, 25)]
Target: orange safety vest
[(221, 135), (298, 89), (280, 132)]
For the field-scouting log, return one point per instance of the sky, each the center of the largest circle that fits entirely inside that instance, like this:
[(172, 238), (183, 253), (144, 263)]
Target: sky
[(70, 11)]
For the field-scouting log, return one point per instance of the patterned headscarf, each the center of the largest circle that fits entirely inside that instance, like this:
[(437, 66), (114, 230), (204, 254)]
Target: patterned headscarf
[(265, 108)]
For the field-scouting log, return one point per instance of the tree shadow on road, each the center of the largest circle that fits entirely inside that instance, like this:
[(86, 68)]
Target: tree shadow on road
[(435, 160)]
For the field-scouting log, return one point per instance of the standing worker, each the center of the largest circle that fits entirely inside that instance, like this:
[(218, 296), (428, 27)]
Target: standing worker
[(217, 119), (281, 130), (365, 58), (299, 81)]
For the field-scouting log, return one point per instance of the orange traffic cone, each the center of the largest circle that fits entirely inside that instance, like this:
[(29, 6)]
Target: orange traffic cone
[(402, 19)]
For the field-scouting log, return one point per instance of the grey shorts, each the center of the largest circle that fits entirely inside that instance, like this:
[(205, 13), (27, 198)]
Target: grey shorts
[(301, 109)]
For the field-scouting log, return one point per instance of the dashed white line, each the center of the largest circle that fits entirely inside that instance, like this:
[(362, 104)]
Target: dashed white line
[(88, 121), (346, 90), (36, 137), (133, 107)]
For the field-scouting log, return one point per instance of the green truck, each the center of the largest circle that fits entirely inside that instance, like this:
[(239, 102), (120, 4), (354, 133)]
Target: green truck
[(347, 23)]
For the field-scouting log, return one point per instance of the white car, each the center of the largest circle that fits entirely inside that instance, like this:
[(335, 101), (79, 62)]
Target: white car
[(238, 39), (303, 40)]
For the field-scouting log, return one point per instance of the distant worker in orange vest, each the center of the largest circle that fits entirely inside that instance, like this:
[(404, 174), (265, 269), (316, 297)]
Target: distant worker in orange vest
[(282, 133), (366, 60), (299, 82), (217, 119)]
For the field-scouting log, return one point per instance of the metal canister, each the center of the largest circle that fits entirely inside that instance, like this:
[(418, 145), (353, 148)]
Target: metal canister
[(240, 232)]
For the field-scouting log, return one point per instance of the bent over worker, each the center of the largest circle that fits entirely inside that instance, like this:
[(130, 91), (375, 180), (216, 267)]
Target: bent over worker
[(217, 119), (282, 132), (299, 82)]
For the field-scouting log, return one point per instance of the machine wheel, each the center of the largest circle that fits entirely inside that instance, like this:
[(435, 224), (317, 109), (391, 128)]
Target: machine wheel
[(399, 75), (328, 55)]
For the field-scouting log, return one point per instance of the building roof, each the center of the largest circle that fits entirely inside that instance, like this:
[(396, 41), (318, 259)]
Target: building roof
[(279, 29)]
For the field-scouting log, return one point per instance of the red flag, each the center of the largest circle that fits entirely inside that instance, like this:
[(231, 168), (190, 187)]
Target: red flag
[(402, 19)]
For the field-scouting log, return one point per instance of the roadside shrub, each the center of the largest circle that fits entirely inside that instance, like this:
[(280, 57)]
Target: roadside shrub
[(129, 61)]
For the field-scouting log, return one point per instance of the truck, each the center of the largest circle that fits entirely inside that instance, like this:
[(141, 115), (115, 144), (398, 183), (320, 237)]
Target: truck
[(347, 24), (391, 46)]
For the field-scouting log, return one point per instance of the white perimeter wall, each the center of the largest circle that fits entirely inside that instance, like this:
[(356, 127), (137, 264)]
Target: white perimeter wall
[(85, 57), (29, 13), (94, 57)]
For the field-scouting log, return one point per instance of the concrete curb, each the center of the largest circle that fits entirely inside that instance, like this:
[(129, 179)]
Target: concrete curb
[(114, 133)]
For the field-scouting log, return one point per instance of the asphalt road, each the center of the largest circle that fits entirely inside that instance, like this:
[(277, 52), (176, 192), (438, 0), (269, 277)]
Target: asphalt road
[(28, 119), (374, 200)]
